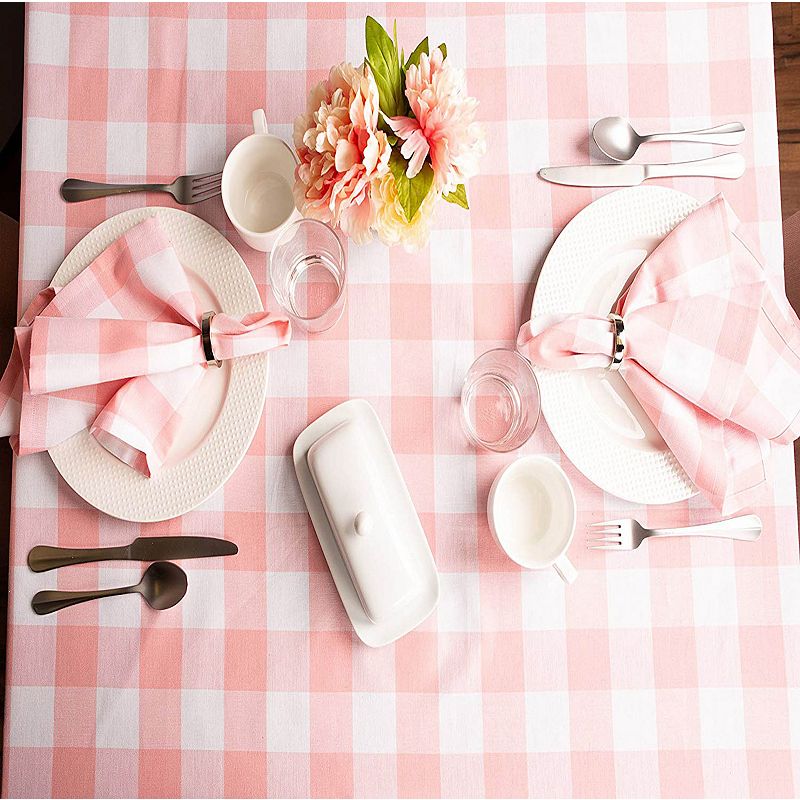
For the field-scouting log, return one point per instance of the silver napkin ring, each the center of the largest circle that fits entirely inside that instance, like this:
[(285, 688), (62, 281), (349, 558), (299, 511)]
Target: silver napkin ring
[(205, 335), (619, 342)]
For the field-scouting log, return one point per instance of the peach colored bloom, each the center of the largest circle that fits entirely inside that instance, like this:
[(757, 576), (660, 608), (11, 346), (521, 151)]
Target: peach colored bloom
[(390, 220), (443, 127), (341, 151)]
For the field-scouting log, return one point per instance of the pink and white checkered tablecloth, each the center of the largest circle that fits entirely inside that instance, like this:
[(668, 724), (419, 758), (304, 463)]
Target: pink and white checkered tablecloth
[(673, 670)]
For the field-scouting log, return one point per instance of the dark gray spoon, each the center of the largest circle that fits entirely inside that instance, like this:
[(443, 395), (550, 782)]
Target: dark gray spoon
[(163, 585)]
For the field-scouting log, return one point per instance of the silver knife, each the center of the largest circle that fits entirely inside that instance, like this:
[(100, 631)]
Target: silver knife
[(147, 548), (729, 165)]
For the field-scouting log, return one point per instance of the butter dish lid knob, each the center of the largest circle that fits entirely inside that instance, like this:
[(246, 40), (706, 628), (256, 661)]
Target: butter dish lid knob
[(363, 523)]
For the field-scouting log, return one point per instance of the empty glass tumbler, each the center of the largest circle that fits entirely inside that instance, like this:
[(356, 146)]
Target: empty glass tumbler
[(307, 270), (500, 401)]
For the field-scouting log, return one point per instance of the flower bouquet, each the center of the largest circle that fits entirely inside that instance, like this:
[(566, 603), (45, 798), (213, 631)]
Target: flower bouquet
[(379, 144)]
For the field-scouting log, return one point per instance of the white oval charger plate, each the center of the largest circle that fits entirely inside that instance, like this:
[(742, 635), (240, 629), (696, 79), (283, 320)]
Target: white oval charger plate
[(225, 410), (592, 414)]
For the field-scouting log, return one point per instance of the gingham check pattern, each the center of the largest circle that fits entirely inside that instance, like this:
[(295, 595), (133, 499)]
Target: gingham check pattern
[(670, 670), (118, 350), (711, 352)]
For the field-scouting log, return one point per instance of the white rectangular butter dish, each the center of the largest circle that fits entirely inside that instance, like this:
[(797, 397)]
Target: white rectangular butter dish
[(367, 526)]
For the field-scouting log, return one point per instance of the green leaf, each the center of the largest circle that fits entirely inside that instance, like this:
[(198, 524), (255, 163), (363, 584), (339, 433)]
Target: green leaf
[(458, 196), (384, 61), (421, 48), (443, 48), (410, 192)]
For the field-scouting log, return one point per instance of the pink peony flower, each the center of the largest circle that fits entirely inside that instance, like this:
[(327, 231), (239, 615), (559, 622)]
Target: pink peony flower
[(341, 151), (444, 127)]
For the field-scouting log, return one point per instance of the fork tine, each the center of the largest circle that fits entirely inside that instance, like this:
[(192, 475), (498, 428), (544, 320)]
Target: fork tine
[(604, 547), (199, 183), (602, 531), (208, 184), (202, 181), (611, 538), (199, 198), (614, 523), (212, 187), (204, 176)]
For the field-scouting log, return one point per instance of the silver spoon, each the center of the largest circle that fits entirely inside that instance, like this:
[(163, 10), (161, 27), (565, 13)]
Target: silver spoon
[(618, 140), (163, 585)]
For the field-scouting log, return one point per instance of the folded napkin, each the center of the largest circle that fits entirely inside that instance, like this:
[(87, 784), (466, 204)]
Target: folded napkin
[(118, 350), (712, 353)]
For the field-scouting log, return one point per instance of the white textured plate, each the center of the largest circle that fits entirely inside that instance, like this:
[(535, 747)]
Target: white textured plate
[(225, 409), (592, 414)]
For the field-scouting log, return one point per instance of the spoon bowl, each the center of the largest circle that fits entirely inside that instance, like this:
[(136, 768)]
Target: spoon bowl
[(616, 137), (163, 585)]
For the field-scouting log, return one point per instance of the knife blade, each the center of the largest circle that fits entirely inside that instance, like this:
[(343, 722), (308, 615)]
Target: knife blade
[(164, 548), (146, 548), (598, 175), (728, 165)]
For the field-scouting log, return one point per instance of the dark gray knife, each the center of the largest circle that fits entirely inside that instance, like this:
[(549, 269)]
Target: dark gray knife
[(147, 548)]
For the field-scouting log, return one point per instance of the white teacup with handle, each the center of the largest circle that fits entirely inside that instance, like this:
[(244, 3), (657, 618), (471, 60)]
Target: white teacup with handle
[(532, 514), (257, 186)]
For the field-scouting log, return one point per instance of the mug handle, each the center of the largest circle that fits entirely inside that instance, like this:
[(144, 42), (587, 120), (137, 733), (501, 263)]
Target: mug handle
[(260, 121), (563, 566)]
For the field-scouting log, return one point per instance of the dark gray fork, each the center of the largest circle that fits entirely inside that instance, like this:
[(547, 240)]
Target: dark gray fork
[(186, 190)]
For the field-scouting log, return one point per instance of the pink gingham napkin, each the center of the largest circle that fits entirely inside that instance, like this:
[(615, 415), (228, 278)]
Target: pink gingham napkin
[(712, 353), (118, 350)]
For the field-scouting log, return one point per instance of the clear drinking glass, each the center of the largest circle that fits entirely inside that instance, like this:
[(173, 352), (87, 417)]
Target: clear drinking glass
[(500, 401), (307, 269)]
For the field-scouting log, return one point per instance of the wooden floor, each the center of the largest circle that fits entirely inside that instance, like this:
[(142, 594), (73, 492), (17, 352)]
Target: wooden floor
[(786, 35)]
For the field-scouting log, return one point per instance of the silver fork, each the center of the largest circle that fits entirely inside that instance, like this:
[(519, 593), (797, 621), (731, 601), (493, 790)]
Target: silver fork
[(186, 190), (628, 534)]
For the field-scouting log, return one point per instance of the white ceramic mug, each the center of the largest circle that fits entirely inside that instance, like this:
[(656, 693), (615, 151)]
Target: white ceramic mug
[(532, 514), (257, 186)]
